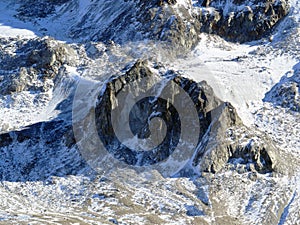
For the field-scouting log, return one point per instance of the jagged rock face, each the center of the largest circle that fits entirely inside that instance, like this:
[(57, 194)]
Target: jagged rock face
[(243, 20), (229, 142), (221, 139), (145, 110), (35, 68), (177, 23), (153, 20), (287, 92)]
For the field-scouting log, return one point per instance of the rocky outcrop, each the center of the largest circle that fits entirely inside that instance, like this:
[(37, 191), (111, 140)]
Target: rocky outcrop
[(153, 20), (170, 2), (146, 109), (180, 24), (173, 22), (287, 92), (222, 139), (34, 69), (242, 20), (230, 143)]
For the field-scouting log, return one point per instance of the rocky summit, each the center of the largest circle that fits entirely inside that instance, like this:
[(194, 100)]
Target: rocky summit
[(149, 112)]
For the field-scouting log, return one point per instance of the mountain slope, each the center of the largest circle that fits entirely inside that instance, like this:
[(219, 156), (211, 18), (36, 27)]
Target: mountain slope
[(55, 91)]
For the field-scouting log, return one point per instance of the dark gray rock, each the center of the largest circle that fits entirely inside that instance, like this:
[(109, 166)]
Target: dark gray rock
[(143, 112), (287, 92), (243, 21), (164, 20), (230, 142), (35, 62), (170, 2), (154, 20), (37, 9), (50, 148), (223, 138), (38, 152)]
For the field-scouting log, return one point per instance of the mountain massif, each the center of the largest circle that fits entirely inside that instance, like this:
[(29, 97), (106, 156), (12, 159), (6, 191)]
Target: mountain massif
[(149, 112)]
